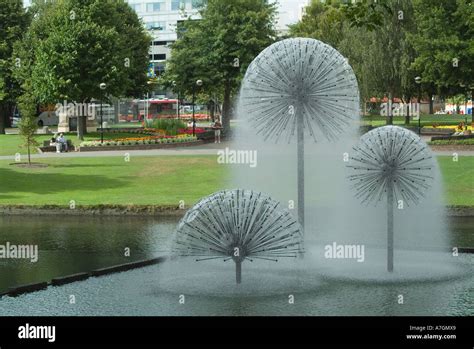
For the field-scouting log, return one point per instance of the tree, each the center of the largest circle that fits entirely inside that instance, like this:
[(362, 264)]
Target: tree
[(368, 14), (444, 44), (323, 21), (373, 37), (13, 23), (28, 124), (72, 46), (218, 48), (330, 23)]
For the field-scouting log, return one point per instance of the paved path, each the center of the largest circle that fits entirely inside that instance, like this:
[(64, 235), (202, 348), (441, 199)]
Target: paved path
[(205, 149)]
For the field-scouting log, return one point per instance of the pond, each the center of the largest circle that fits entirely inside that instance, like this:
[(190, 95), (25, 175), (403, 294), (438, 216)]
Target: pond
[(69, 245), (77, 244)]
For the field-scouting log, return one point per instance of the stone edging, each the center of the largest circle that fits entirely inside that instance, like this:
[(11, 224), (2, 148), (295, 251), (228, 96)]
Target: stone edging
[(140, 146), (30, 288), (452, 147), (142, 210), (99, 210)]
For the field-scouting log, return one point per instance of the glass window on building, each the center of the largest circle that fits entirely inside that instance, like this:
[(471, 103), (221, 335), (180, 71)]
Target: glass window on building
[(156, 26), (158, 57), (136, 7), (177, 5), (155, 6)]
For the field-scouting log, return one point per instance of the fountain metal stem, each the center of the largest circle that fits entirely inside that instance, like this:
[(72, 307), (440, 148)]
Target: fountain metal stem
[(390, 227), (300, 169), (238, 272)]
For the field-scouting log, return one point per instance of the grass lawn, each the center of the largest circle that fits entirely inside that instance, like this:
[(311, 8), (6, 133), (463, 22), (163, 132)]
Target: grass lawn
[(426, 120), (158, 181), (92, 181), (11, 144), (458, 179)]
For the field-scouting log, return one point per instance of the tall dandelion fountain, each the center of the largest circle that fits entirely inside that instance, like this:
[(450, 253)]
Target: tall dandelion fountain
[(299, 88), (394, 164), (238, 225)]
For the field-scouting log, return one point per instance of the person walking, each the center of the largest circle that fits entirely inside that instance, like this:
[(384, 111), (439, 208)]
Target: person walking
[(217, 127)]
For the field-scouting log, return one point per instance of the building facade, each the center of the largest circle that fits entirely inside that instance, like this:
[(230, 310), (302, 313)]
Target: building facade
[(161, 18)]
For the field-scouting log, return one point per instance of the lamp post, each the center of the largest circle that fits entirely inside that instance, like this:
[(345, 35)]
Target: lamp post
[(197, 84), (418, 82), (174, 85), (147, 107), (471, 87), (102, 87)]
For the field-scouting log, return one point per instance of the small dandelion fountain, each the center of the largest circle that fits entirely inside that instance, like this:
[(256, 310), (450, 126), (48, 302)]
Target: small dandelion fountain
[(297, 88), (391, 162), (238, 225)]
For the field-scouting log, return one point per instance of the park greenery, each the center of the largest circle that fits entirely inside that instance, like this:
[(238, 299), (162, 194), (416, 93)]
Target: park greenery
[(64, 49), (28, 124), (218, 48), (153, 181), (13, 22), (389, 43), (73, 46), (171, 127)]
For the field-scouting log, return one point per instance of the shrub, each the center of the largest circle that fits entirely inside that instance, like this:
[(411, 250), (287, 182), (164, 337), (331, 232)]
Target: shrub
[(171, 127)]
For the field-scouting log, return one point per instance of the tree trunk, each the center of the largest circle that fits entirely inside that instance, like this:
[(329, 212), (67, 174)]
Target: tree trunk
[(116, 110), (389, 109), (84, 122), (211, 108), (226, 109), (407, 116), (29, 152), (80, 128), (3, 117)]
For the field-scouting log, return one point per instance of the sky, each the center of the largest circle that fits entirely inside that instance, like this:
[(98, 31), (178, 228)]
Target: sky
[(289, 12)]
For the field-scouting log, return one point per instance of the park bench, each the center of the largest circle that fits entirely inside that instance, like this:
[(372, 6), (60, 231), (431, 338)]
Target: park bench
[(46, 148)]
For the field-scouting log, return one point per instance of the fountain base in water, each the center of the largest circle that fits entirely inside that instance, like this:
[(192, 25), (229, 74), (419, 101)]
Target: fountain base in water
[(411, 266)]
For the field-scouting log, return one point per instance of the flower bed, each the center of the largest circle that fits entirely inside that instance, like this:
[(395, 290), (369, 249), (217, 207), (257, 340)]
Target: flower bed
[(189, 131), (150, 140)]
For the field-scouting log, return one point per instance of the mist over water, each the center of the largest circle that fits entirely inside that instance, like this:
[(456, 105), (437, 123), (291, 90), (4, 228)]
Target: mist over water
[(334, 215)]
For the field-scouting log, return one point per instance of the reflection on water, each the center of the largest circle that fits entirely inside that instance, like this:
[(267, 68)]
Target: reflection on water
[(69, 245)]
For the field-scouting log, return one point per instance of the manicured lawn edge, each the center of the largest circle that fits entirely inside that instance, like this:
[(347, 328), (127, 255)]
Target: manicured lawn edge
[(102, 210), (145, 210), (452, 147)]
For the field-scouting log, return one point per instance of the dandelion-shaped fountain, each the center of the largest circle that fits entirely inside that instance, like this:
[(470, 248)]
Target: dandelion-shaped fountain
[(297, 88), (238, 225), (394, 162)]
